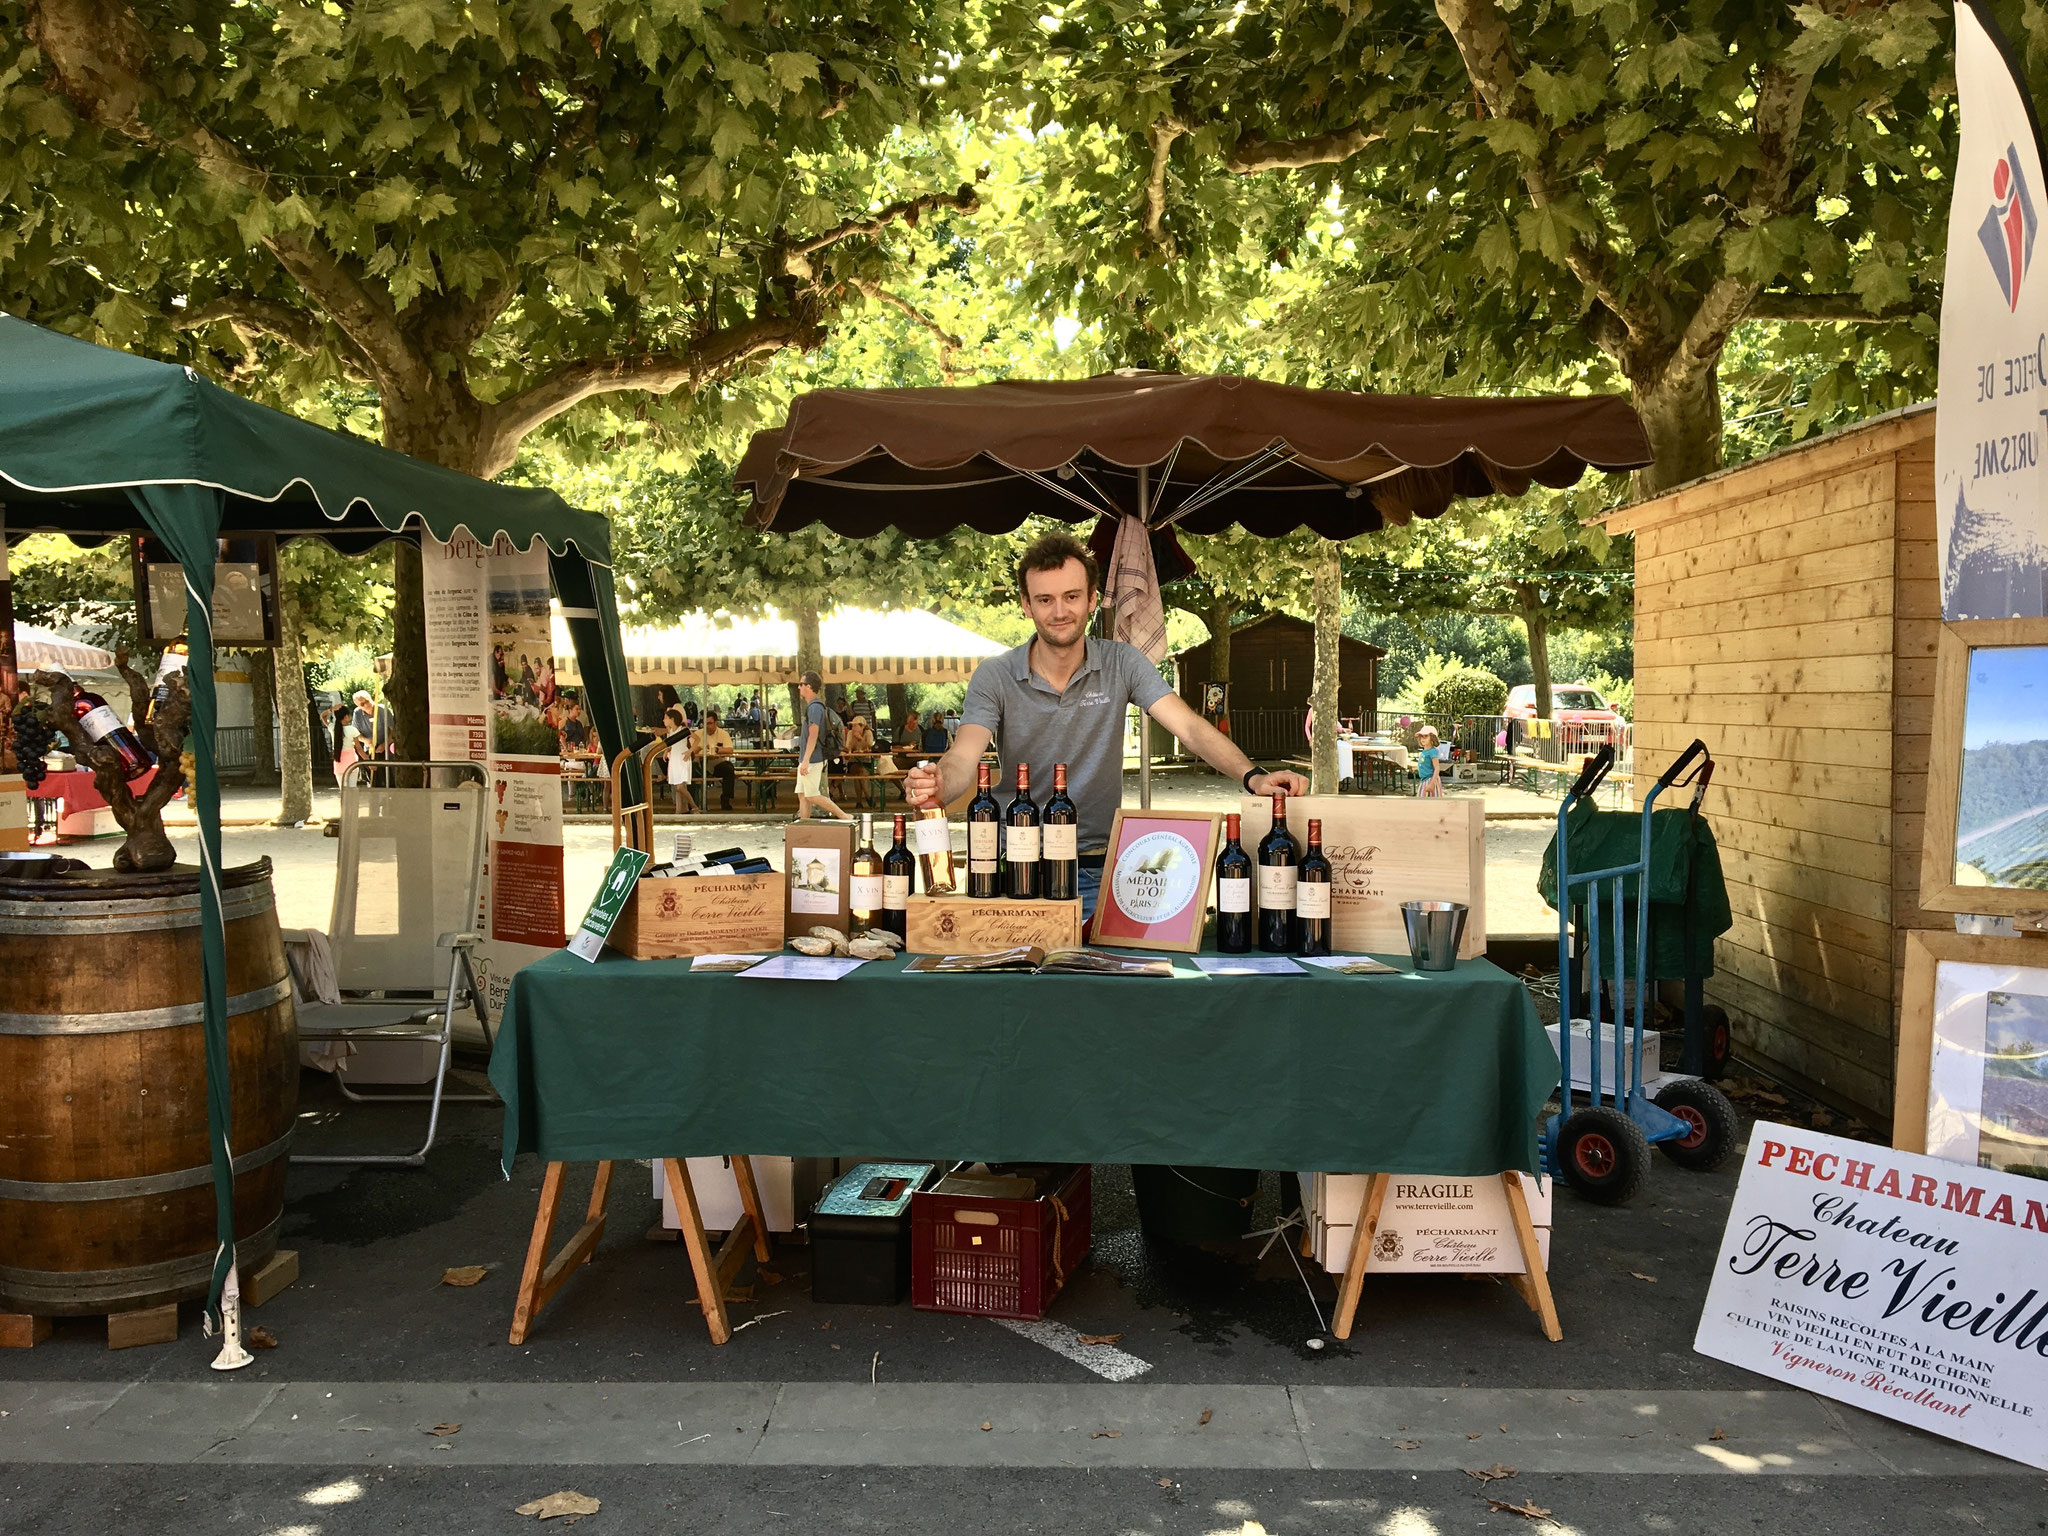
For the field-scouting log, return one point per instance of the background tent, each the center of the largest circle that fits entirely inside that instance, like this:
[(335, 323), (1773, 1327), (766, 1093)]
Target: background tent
[(860, 645), (96, 443)]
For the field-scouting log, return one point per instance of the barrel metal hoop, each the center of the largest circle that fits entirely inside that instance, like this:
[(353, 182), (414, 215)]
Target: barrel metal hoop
[(75, 1290), (139, 1018), (142, 1184), (46, 919)]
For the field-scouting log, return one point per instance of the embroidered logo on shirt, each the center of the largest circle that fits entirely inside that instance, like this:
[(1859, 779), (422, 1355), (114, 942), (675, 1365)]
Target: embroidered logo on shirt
[(1094, 698)]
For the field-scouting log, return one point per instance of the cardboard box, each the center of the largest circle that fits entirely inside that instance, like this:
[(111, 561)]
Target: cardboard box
[(1429, 1225), (705, 915), (818, 859), (961, 925), (1384, 851), (788, 1186)]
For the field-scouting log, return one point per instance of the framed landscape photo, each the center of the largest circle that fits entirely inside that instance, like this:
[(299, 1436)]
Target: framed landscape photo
[(1155, 881), (1973, 1052), (1985, 848)]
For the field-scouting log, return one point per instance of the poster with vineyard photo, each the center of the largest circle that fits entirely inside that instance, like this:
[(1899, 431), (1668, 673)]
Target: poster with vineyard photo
[(1987, 1101)]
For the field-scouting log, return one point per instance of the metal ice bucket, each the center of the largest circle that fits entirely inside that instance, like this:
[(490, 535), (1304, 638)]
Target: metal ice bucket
[(1434, 929)]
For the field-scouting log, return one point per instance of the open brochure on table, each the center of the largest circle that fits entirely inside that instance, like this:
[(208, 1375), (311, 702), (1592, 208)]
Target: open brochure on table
[(1029, 959)]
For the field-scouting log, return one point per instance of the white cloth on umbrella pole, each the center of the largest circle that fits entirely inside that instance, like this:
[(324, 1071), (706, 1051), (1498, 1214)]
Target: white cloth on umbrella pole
[(1137, 612)]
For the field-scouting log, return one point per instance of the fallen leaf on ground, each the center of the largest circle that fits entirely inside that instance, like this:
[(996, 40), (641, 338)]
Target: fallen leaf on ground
[(767, 1277), (256, 1336), (1207, 1415), (1107, 1434), (1652, 1279), (1475, 1434), (1503, 1429), (1718, 1434), (443, 1430), (1101, 1338), (567, 1502), (1570, 1399), (1166, 1482), (1407, 1445), (987, 1425), (1529, 1511), (1491, 1474), (465, 1274)]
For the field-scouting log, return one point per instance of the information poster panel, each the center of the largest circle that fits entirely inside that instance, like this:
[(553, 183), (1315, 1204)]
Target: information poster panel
[(492, 699), (13, 791), (1905, 1285)]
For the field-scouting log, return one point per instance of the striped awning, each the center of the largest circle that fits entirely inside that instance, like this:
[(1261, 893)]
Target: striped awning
[(36, 647), (861, 645)]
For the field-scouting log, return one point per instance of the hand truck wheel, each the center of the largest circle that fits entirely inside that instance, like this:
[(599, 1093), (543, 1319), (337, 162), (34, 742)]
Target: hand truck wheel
[(1603, 1154), (1720, 1040), (1711, 1127)]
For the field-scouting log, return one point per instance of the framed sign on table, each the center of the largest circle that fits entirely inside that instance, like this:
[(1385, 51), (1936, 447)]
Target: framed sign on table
[(1986, 843), (1155, 881), (1972, 1081)]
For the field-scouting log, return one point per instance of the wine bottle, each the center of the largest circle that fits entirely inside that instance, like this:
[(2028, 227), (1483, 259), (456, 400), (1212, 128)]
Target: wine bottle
[(1021, 841), (1059, 845), (864, 895), (935, 848), (1279, 932), (101, 724), (1235, 925), (984, 837), (1312, 891), (897, 868)]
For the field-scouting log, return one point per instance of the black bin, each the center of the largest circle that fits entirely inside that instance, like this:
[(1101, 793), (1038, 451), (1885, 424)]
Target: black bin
[(860, 1235)]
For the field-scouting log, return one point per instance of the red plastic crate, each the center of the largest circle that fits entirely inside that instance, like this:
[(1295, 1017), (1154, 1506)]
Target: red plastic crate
[(985, 1257)]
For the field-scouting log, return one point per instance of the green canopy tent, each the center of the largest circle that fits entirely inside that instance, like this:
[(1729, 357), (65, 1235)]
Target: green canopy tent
[(96, 444)]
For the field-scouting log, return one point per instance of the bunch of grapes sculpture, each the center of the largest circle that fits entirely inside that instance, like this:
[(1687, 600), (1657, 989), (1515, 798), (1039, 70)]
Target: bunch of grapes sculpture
[(38, 724)]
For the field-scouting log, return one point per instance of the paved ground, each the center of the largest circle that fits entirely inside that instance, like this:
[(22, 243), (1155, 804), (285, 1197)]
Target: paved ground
[(869, 1418)]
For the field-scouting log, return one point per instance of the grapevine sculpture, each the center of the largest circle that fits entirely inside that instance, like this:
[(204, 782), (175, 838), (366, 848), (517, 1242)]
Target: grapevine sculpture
[(141, 816)]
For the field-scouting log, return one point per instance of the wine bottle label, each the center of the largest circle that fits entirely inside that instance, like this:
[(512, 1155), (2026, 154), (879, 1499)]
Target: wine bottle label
[(100, 723), (1062, 841), (1021, 844), (896, 892), (1234, 895), (867, 892), (981, 847), (1276, 887), (1312, 898), (934, 834)]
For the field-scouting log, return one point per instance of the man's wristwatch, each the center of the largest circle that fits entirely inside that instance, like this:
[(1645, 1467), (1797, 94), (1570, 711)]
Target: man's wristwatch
[(1251, 773)]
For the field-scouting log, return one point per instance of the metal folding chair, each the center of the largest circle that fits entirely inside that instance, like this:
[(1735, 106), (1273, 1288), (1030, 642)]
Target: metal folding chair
[(410, 863)]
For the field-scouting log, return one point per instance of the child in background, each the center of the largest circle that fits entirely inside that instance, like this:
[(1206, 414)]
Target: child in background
[(1429, 765)]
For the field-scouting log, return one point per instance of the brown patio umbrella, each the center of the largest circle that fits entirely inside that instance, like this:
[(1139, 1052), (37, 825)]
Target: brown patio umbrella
[(1195, 451)]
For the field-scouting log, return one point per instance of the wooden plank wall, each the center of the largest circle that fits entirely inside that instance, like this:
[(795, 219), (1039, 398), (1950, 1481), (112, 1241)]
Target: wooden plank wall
[(1916, 630), (1767, 624)]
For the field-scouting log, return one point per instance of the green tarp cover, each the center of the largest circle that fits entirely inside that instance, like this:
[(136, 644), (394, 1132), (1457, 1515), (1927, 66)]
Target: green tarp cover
[(1413, 1073), (1680, 844)]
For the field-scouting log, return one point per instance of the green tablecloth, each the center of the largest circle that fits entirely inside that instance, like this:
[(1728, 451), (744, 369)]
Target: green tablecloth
[(1415, 1073)]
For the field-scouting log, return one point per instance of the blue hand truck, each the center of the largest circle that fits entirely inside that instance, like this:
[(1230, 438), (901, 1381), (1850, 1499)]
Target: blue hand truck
[(1603, 1149)]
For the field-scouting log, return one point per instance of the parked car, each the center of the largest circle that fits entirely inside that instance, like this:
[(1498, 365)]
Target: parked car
[(1585, 718)]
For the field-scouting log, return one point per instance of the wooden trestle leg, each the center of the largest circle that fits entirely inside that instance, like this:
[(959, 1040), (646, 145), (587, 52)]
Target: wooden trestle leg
[(1361, 1246), (538, 1284), (1534, 1282)]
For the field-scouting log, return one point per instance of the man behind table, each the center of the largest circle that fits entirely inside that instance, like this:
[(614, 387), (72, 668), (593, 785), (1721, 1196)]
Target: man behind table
[(1061, 697)]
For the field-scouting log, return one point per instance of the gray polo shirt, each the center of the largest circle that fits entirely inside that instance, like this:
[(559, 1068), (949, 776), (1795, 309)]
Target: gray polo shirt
[(1083, 727)]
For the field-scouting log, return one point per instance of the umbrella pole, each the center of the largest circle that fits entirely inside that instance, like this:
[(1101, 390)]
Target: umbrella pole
[(1144, 722)]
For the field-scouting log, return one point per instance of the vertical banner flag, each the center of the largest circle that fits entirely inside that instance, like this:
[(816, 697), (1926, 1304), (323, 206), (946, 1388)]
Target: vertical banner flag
[(1990, 471), (13, 789), (492, 699)]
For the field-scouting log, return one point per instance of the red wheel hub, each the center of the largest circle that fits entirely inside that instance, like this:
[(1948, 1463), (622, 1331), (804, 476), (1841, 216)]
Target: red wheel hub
[(1595, 1155), (1695, 1126)]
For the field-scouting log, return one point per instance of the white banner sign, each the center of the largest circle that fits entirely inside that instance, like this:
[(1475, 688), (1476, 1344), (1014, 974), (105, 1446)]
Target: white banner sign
[(1905, 1285), (1990, 468)]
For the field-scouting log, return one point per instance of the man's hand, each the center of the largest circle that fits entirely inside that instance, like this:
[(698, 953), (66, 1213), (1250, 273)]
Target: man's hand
[(1281, 781), (921, 785)]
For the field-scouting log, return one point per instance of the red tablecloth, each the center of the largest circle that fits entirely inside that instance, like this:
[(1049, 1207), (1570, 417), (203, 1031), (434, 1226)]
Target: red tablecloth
[(75, 789)]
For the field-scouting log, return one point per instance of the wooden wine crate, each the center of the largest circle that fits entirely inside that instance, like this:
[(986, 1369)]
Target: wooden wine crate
[(1384, 851), (707, 915), (961, 925)]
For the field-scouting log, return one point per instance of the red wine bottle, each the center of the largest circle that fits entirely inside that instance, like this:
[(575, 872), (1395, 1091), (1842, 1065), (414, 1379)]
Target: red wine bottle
[(898, 865), (1235, 925), (1059, 846), (1021, 839), (864, 889), (1312, 893), (104, 726), (1279, 929), (984, 837)]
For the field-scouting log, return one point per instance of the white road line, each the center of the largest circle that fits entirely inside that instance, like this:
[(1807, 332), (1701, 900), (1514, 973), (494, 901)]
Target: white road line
[(1105, 1360)]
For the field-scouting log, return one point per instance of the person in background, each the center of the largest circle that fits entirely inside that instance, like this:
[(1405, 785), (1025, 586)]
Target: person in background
[(526, 679), (373, 728), (936, 737), (575, 734), (819, 739), (714, 749), (861, 708), (857, 756), (499, 681), (677, 738), (1429, 775)]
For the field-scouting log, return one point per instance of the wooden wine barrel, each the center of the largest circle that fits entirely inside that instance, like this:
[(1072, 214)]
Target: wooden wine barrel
[(106, 1182)]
